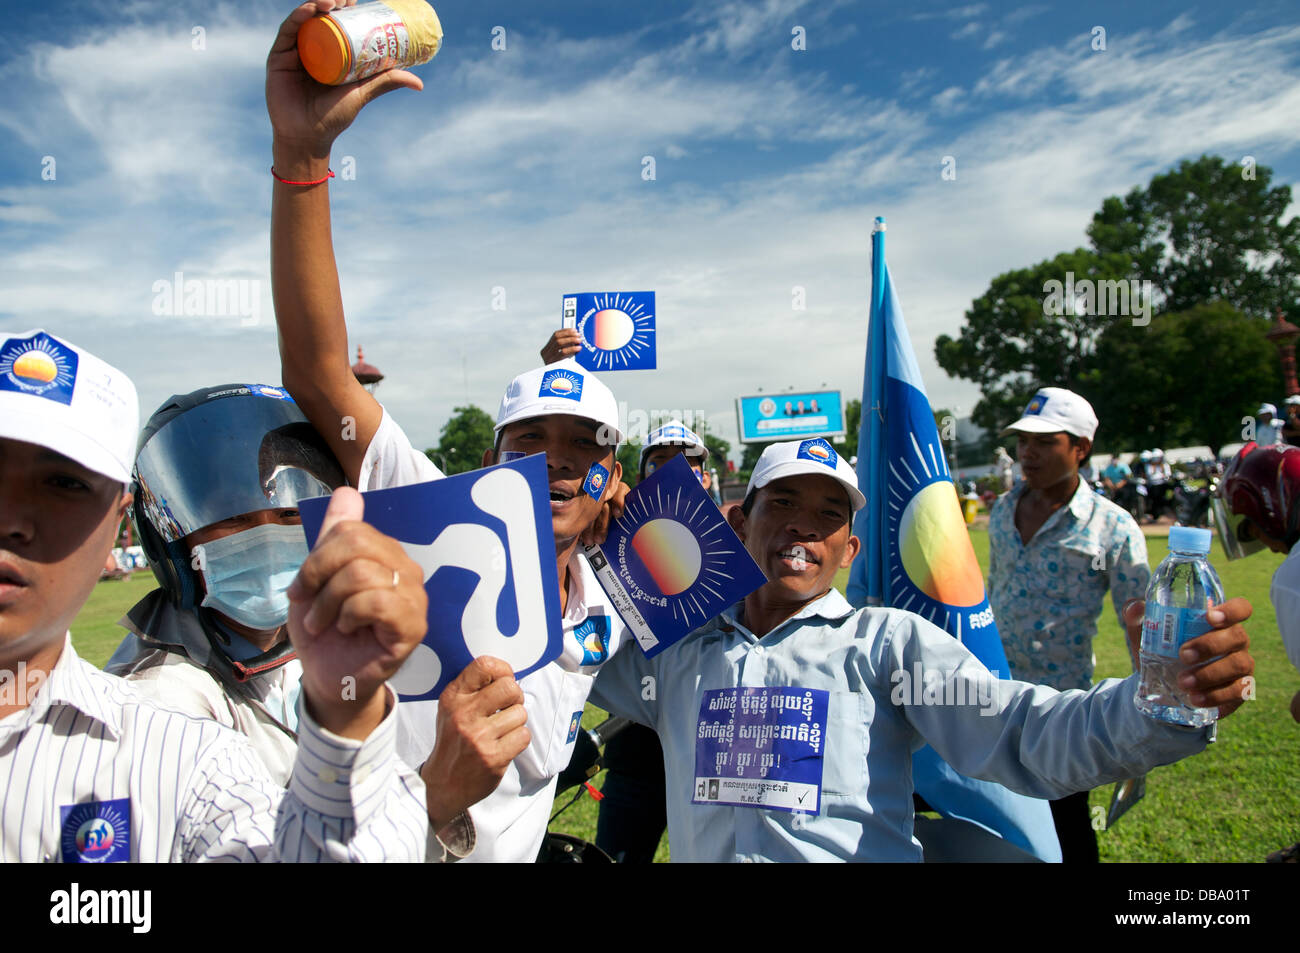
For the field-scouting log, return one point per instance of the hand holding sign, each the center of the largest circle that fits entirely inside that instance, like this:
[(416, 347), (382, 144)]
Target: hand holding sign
[(481, 729), (357, 609)]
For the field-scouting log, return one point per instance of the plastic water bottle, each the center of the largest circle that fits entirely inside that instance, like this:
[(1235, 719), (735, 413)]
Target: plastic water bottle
[(1183, 587)]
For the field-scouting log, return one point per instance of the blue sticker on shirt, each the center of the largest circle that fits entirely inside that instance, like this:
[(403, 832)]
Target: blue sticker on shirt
[(96, 833), (561, 383), (39, 366), (574, 724), (1036, 405), (818, 450), (762, 748), (593, 636), (594, 485)]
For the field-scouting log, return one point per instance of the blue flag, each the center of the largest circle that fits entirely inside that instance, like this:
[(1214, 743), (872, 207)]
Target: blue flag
[(916, 552)]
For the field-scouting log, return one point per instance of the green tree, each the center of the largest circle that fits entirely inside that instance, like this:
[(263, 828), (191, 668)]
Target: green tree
[(1011, 345), (1187, 379), (462, 442), (1209, 230)]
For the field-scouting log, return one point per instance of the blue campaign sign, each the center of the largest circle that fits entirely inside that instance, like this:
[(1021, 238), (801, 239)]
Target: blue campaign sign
[(670, 562), (765, 417), (617, 328), (762, 748), (485, 543)]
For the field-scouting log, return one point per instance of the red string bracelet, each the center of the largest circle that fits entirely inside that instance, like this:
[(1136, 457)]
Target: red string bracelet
[(324, 178)]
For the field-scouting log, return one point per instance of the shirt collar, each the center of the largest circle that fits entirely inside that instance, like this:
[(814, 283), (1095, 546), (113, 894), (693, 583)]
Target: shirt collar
[(832, 606), (71, 683), (1080, 505)]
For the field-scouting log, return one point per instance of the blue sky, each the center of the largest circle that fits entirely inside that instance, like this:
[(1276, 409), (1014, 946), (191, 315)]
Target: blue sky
[(522, 169)]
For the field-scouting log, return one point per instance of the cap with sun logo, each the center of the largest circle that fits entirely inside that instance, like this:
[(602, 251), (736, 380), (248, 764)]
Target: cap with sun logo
[(563, 388), (56, 395), (797, 457)]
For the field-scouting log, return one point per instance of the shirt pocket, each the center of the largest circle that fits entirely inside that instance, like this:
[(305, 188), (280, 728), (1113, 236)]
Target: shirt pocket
[(1080, 564), (844, 759), (550, 719)]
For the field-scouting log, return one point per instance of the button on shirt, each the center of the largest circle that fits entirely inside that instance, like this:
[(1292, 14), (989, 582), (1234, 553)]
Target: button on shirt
[(182, 789), (511, 821), (1048, 593), (1028, 737)]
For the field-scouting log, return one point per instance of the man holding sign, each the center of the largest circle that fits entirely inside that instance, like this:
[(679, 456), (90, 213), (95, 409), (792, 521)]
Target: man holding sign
[(788, 722), (563, 411)]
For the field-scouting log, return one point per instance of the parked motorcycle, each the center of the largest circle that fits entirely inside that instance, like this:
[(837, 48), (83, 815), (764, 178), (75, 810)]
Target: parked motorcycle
[(1192, 503)]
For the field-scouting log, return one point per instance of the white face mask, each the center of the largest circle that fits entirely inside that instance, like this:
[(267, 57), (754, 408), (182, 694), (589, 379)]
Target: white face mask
[(247, 574)]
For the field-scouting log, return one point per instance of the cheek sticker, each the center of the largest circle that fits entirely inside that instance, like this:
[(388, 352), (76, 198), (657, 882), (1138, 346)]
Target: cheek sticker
[(594, 485), (699, 475)]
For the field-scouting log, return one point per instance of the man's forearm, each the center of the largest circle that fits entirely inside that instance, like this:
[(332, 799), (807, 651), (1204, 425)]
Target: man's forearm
[(304, 277), (309, 309)]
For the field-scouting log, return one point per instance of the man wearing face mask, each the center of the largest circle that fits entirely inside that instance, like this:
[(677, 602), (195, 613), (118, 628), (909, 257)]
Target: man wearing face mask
[(218, 477)]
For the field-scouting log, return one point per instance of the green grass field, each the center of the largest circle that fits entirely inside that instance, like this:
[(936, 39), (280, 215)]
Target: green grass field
[(1237, 801)]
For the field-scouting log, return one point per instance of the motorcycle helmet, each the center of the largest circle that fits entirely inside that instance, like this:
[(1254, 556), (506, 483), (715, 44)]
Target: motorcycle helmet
[(213, 454), (1261, 489)]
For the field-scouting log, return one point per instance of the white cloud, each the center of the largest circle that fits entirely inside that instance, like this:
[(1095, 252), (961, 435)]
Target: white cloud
[(507, 172)]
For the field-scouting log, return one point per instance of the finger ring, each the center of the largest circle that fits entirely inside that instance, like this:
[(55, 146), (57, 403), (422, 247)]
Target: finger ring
[(396, 578)]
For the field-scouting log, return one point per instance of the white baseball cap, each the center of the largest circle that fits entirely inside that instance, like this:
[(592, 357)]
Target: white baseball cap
[(56, 395), (796, 457), (1266, 409), (1293, 399), (1055, 409), (675, 433), (565, 387)]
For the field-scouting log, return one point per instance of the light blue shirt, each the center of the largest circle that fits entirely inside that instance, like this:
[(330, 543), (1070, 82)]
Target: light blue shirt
[(1027, 737), (1047, 594)]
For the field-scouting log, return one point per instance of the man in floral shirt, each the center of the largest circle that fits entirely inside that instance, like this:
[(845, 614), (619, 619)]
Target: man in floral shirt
[(1055, 547)]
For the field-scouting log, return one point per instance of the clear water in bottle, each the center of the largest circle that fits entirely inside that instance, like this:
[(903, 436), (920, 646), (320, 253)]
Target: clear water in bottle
[(1182, 588)]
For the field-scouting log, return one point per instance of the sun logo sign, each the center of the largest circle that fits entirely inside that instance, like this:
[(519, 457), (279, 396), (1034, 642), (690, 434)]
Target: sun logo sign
[(617, 329), (670, 562)]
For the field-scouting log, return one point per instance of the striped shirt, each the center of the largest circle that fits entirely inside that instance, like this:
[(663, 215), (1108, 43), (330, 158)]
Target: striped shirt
[(92, 771)]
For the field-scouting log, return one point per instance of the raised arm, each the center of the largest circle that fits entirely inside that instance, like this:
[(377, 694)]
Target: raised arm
[(306, 118)]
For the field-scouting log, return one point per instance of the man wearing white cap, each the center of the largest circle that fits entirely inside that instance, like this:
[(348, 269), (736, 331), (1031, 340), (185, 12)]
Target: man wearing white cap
[(1268, 431), (1055, 547), (794, 661), (111, 777), (562, 410)]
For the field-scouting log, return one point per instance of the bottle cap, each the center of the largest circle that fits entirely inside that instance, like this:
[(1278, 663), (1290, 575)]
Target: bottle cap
[(1189, 539), (324, 50)]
